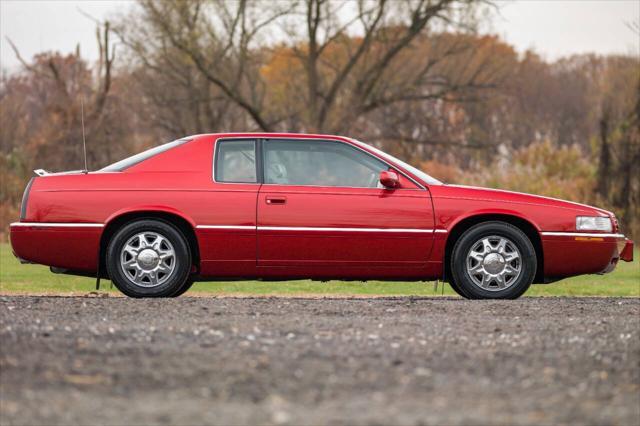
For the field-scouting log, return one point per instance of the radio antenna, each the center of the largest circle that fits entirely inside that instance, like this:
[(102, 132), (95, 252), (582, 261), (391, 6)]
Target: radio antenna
[(84, 142)]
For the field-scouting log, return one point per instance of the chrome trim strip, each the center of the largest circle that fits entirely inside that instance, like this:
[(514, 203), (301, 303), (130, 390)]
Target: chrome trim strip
[(304, 228), (580, 234), (59, 225), (441, 231), (309, 228), (224, 227)]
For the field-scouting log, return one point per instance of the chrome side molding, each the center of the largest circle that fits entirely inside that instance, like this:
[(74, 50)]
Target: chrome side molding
[(59, 225), (580, 234), (305, 228)]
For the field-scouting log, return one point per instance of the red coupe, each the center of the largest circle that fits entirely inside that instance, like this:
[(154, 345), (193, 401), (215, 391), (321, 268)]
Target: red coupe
[(289, 206)]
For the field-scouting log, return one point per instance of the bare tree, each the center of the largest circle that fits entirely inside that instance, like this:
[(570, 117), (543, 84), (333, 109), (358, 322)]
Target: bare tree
[(216, 37), (385, 56), (348, 53), (52, 91), (178, 98)]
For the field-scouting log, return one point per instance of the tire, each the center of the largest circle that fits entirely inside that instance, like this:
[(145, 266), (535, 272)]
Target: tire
[(457, 288), (148, 258), (185, 287), (493, 260)]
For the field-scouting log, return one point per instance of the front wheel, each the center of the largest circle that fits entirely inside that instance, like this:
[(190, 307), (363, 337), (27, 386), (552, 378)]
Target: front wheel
[(493, 260), (148, 258), (185, 287)]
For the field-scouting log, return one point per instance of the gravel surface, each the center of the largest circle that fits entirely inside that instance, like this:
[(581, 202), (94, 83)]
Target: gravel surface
[(87, 360)]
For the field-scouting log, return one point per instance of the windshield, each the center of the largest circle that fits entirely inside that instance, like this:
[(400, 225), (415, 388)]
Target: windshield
[(414, 171), (145, 155)]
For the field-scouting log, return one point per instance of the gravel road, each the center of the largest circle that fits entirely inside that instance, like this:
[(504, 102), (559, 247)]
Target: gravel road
[(195, 360)]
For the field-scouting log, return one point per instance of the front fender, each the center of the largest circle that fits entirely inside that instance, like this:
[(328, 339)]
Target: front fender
[(493, 212)]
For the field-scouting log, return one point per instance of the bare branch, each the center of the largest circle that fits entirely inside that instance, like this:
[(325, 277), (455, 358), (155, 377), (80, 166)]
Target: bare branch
[(21, 59)]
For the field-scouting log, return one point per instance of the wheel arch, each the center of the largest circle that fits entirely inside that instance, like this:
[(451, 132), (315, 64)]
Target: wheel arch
[(177, 219), (525, 225)]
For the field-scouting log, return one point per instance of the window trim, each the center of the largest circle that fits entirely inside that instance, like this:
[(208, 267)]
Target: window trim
[(258, 161), (260, 168), (320, 141)]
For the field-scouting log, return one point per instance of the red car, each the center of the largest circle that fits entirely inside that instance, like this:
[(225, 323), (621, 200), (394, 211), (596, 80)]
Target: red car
[(289, 206)]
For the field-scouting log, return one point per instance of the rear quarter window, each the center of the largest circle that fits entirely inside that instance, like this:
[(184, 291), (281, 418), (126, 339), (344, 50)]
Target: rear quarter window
[(235, 161), (145, 155)]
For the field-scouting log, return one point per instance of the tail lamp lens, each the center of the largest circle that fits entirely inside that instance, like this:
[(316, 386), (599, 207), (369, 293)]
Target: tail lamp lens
[(25, 199)]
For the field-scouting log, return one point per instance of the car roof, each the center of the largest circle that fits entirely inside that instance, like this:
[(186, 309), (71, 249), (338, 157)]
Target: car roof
[(269, 135)]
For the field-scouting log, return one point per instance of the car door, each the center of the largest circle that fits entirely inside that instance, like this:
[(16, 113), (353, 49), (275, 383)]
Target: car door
[(322, 213), (227, 225)]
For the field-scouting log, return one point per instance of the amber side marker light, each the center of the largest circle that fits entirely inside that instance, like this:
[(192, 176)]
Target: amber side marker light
[(589, 239)]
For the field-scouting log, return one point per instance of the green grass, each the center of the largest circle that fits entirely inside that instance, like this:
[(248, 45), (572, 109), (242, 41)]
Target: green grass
[(17, 278)]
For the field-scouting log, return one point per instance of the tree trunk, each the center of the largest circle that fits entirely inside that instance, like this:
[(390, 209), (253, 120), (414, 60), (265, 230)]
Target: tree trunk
[(604, 165)]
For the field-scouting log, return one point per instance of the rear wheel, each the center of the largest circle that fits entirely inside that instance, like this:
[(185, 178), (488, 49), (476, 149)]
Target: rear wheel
[(493, 260), (148, 258)]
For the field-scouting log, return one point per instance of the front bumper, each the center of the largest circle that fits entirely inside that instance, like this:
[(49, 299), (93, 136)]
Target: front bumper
[(626, 253), (574, 253)]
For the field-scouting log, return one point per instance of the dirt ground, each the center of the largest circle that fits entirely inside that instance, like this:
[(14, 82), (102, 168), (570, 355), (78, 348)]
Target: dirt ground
[(82, 360)]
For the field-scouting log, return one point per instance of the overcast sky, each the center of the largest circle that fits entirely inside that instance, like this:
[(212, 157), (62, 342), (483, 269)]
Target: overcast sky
[(553, 28)]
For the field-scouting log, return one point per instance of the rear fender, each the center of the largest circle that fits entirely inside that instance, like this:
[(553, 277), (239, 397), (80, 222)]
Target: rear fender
[(150, 208)]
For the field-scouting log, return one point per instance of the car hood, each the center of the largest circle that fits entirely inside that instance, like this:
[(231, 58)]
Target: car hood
[(479, 193)]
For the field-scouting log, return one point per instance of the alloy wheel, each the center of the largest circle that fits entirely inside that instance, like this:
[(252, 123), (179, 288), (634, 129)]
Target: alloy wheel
[(147, 259), (494, 263)]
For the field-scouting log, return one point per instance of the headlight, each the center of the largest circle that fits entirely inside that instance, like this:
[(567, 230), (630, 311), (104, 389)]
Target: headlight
[(593, 223)]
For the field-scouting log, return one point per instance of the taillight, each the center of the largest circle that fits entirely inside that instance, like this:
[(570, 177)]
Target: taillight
[(25, 199)]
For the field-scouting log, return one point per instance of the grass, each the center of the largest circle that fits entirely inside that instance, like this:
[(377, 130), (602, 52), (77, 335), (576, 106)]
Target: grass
[(16, 278)]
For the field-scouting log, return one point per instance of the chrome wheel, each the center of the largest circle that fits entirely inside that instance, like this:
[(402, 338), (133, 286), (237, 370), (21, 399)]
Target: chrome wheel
[(494, 263), (147, 259)]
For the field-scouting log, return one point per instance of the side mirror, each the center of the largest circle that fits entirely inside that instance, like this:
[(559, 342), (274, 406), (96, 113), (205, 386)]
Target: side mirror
[(389, 179)]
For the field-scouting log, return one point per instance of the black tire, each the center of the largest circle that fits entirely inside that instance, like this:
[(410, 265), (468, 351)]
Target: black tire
[(185, 287), (457, 288), (171, 282), (474, 237)]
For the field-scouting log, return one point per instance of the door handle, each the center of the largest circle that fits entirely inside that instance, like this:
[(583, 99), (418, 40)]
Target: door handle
[(276, 200)]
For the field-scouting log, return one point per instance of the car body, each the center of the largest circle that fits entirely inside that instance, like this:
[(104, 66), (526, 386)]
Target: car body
[(310, 208)]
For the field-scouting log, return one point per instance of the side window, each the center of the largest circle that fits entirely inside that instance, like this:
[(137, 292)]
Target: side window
[(235, 161), (302, 162)]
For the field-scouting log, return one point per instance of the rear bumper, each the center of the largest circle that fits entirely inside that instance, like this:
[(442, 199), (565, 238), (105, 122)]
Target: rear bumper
[(71, 246), (573, 253)]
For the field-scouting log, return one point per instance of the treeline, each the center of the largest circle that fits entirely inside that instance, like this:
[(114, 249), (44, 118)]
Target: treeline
[(413, 77)]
